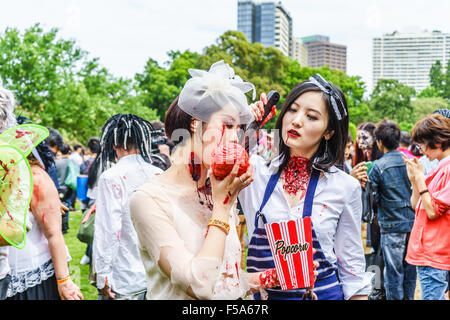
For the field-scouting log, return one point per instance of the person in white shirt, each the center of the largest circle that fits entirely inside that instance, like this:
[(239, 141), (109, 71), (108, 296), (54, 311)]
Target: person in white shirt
[(313, 130), (77, 155), (120, 271)]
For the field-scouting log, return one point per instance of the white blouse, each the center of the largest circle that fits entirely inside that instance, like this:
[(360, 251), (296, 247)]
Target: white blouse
[(336, 219), (115, 248), (166, 216)]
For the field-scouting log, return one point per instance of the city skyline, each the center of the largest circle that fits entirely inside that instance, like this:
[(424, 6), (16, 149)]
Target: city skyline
[(408, 57), (124, 35)]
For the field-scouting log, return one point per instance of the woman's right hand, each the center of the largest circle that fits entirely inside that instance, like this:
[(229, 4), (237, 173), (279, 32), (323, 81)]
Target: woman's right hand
[(225, 192), (69, 291)]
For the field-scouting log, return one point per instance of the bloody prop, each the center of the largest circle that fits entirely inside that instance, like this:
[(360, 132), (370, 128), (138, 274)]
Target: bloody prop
[(225, 156)]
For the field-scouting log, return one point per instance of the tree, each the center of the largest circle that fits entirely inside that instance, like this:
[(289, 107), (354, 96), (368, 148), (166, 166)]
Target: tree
[(436, 76), (391, 99), (269, 69), (439, 81), (426, 106), (154, 88), (429, 92), (446, 89), (57, 85), (35, 64)]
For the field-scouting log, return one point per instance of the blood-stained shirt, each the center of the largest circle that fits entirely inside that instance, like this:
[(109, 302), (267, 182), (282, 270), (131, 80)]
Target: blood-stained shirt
[(115, 249)]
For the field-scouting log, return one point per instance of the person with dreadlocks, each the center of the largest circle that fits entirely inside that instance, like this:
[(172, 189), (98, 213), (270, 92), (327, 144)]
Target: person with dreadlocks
[(125, 141)]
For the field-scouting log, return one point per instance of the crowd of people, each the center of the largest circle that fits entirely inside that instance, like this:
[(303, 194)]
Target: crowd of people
[(166, 227)]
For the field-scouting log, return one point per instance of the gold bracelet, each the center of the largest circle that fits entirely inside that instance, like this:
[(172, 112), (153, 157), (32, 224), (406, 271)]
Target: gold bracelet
[(225, 226), (63, 280)]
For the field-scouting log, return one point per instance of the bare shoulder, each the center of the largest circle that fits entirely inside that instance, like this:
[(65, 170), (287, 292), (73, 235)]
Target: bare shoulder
[(42, 182)]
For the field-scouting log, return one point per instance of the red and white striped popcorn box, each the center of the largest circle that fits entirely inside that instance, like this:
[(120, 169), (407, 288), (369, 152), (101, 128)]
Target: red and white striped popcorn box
[(291, 246)]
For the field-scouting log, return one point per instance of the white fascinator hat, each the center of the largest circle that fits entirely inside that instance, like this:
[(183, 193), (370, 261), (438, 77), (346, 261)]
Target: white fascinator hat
[(218, 89)]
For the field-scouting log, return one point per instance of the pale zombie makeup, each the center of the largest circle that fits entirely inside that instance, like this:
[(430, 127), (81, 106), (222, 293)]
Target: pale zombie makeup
[(223, 128), (364, 140), (305, 124)]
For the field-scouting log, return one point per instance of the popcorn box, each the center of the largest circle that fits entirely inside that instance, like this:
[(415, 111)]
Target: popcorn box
[(291, 246)]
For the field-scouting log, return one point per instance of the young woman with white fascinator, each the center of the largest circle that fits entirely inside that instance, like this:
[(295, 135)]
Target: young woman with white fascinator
[(185, 218)]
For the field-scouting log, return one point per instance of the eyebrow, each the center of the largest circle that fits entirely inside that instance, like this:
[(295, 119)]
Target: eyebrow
[(228, 117), (308, 108)]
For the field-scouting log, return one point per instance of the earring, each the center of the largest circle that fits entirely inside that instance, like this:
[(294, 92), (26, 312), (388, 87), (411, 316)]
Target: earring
[(194, 167), (326, 148)]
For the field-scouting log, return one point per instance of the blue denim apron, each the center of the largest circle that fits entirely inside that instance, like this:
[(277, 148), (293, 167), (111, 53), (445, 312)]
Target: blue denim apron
[(259, 255)]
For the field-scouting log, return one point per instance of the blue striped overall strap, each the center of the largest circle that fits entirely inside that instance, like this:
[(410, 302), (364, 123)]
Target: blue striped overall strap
[(259, 255)]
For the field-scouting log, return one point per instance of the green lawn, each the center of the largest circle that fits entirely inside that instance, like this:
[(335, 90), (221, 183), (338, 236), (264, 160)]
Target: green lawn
[(79, 273)]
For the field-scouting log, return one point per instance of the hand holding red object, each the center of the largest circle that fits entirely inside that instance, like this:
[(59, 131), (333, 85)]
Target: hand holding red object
[(91, 210), (224, 158)]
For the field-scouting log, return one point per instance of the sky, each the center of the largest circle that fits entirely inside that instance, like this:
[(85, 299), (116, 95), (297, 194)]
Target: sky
[(124, 34)]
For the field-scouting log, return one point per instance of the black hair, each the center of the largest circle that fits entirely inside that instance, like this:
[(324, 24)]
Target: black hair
[(176, 119), (388, 132), (94, 145), (124, 131), (405, 138), (325, 156), (43, 149), (76, 147), (54, 138), (65, 149)]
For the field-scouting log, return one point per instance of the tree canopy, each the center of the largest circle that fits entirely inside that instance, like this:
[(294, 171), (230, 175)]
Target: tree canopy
[(58, 84)]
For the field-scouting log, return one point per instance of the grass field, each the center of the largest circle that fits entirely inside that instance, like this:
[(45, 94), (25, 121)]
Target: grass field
[(79, 273)]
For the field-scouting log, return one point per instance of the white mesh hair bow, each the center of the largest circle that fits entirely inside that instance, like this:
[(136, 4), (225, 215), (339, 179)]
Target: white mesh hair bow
[(218, 89)]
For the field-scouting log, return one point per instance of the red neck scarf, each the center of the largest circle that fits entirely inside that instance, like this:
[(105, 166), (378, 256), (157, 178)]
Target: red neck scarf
[(296, 175)]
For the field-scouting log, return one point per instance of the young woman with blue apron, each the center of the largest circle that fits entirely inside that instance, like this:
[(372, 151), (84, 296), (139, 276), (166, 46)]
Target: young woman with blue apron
[(259, 256)]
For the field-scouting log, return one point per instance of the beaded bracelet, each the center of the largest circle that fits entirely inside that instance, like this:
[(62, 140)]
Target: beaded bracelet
[(225, 226)]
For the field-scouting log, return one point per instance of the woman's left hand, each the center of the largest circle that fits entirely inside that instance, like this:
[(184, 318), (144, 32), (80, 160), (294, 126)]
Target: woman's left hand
[(414, 169), (69, 291)]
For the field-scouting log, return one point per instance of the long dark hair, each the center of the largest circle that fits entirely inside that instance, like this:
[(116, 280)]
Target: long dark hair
[(323, 158)]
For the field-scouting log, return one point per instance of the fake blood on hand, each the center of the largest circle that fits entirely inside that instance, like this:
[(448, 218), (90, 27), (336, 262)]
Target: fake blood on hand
[(225, 156)]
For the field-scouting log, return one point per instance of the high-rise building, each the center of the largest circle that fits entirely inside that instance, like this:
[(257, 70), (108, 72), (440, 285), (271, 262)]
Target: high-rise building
[(408, 57), (246, 19), (267, 23), (321, 52), (300, 52)]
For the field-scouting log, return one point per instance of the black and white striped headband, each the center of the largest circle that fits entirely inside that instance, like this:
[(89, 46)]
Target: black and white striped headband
[(326, 87)]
